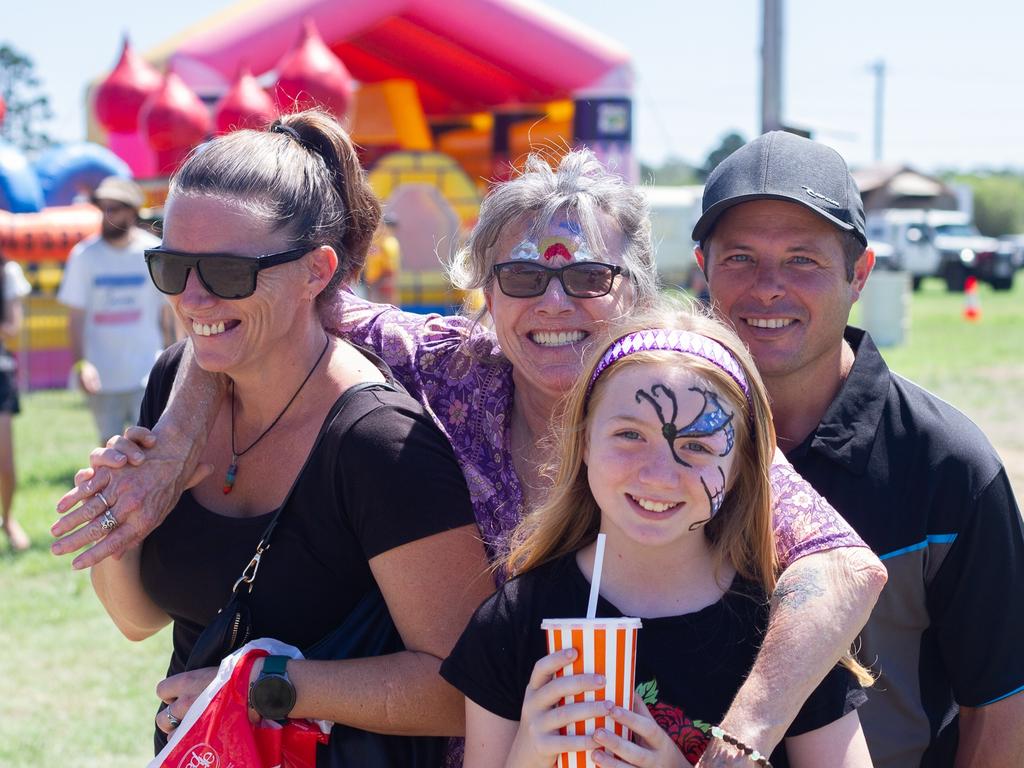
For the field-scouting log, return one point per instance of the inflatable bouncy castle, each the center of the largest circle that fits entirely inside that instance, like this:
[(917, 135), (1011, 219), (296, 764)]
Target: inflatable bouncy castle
[(43, 213), (441, 97)]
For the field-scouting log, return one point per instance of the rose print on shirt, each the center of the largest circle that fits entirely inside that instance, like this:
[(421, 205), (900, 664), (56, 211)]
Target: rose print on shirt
[(690, 736)]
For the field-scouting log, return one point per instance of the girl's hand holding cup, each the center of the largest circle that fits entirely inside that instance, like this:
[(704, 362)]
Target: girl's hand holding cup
[(539, 742), (653, 748)]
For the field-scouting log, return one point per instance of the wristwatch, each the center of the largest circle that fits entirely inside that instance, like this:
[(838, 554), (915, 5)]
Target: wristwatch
[(272, 693)]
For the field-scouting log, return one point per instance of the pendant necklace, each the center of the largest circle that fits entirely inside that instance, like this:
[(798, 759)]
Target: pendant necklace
[(232, 473)]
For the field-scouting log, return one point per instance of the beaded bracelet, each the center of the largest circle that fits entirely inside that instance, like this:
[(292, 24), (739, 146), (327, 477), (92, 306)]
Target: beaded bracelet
[(756, 757)]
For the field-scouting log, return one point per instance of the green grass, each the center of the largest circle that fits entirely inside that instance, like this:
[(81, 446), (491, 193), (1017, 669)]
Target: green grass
[(977, 366), (75, 693)]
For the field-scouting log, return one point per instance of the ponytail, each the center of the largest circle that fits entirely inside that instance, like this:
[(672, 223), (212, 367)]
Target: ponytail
[(300, 175)]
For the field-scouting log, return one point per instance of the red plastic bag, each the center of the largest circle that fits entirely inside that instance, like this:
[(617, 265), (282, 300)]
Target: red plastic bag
[(217, 733)]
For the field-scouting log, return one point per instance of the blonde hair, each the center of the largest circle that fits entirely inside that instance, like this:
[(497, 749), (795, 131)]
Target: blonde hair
[(740, 533)]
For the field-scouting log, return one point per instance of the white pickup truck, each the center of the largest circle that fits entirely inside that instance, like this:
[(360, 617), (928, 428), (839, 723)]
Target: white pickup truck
[(943, 244)]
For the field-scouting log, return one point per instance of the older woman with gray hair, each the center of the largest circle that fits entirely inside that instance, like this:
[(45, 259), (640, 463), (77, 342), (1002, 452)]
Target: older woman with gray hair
[(558, 252)]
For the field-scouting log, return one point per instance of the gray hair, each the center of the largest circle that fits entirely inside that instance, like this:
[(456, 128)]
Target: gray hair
[(301, 175), (580, 188)]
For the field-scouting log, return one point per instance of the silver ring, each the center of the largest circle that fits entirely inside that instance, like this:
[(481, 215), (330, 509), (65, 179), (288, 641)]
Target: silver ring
[(108, 522), (103, 498), (171, 719)]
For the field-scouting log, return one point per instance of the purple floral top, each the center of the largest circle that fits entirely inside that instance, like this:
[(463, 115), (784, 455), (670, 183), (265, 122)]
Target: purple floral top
[(458, 372)]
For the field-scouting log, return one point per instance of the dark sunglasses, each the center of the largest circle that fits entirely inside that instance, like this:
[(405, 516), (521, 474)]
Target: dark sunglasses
[(584, 280), (223, 274)]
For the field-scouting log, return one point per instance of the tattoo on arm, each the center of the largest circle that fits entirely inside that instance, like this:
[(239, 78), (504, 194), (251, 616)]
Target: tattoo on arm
[(795, 590)]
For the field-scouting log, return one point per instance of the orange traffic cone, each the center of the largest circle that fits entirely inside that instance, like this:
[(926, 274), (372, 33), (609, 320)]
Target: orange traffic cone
[(972, 305)]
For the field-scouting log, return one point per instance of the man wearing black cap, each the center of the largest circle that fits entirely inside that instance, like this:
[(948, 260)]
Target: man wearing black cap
[(117, 320), (782, 243)]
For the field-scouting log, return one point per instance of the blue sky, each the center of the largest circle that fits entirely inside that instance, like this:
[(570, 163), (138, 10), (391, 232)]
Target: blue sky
[(954, 90)]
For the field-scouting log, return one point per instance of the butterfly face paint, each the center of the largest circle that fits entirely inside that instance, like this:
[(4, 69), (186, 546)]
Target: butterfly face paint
[(712, 421), (654, 439), (567, 243)]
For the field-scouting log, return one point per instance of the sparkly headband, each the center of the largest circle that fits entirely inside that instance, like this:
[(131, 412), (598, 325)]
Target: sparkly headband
[(689, 343)]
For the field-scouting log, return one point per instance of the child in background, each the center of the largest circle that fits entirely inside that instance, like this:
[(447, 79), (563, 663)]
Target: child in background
[(664, 446)]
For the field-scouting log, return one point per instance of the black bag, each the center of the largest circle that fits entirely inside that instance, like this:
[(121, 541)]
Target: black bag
[(229, 631), (370, 631), (367, 631)]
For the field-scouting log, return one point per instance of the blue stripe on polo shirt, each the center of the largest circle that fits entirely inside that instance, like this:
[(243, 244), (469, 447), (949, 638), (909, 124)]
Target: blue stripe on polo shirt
[(939, 538), (116, 281), (1014, 692)]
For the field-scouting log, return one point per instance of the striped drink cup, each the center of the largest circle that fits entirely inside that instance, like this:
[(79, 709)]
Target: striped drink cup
[(605, 646)]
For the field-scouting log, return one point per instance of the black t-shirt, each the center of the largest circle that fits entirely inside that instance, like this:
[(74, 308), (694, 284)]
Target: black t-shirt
[(392, 480), (688, 668)]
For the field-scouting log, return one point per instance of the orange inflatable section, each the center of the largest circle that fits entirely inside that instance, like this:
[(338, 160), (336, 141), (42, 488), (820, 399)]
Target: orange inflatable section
[(48, 235)]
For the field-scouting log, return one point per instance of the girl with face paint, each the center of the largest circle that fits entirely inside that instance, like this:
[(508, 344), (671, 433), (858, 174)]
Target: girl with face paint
[(664, 446)]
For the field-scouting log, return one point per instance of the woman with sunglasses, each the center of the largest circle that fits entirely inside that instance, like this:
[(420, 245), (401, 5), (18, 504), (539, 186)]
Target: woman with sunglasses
[(558, 252), (259, 227)]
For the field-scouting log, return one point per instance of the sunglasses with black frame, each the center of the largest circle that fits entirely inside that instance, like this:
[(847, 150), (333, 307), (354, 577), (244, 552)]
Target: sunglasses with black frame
[(225, 275), (582, 280)]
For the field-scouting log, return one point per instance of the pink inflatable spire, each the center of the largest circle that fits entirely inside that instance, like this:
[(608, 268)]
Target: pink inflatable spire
[(173, 120), (245, 105), (121, 95), (311, 75)]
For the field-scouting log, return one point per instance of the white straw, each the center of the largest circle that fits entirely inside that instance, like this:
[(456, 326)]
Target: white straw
[(595, 580)]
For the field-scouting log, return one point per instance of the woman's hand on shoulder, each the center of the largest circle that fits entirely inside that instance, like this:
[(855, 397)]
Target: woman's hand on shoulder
[(538, 741), (134, 478), (653, 747)]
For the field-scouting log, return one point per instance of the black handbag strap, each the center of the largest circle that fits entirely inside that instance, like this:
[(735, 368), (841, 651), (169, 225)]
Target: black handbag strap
[(352, 415)]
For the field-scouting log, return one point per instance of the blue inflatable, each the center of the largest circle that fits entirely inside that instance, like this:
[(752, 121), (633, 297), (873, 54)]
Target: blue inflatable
[(70, 170), (19, 186)]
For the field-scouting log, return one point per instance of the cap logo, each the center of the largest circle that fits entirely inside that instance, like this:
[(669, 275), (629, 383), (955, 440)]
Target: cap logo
[(818, 195)]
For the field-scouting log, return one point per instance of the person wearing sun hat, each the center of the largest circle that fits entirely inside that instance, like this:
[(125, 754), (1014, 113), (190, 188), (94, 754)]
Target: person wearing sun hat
[(783, 247), (117, 320)]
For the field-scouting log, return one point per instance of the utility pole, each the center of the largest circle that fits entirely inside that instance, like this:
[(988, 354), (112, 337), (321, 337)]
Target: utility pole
[(771, 65), (878, 68)]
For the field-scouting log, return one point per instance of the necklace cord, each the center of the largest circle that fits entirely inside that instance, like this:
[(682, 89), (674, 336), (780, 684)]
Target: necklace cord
[(229, 478)]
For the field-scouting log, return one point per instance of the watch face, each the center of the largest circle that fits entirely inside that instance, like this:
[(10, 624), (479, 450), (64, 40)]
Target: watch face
[(273, 696)]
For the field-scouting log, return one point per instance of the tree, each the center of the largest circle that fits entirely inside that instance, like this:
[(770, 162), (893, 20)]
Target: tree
[(729, 144), (998, 201), (27, 105), (999, 205)]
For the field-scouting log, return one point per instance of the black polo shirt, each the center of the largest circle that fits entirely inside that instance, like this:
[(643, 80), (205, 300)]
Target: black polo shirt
[(924, 488)]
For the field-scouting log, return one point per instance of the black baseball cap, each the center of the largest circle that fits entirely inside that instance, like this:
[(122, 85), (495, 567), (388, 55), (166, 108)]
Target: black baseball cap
[(784, 166)]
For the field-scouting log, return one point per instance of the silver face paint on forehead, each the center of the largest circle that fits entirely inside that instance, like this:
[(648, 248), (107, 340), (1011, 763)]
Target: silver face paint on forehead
[(525, 251), (573, 241), (582, 252)]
